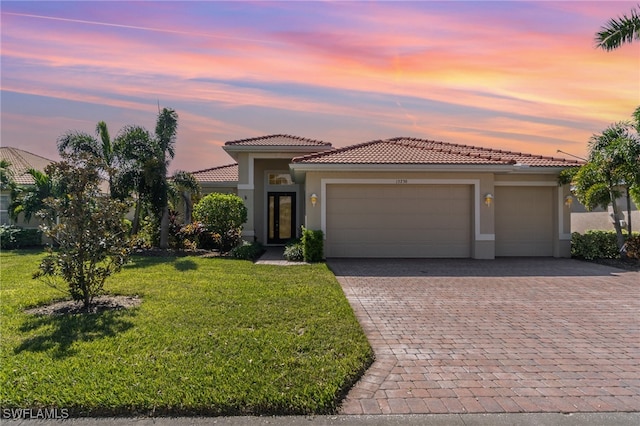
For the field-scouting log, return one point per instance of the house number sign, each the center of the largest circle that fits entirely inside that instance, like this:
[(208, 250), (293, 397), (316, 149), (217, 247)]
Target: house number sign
[(402, 181)]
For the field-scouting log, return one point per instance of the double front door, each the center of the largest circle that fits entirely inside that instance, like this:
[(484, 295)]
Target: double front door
[(281, 217)]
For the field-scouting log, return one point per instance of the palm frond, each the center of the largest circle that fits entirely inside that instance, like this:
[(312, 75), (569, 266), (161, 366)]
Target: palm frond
[(618, 31)]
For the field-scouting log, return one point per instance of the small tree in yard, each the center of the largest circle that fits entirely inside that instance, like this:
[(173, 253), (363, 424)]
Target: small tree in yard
[(222, 214), (89, 233)]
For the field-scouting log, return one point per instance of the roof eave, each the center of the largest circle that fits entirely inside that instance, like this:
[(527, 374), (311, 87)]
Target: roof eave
[(287, 150), (299, 170), (401, 167)]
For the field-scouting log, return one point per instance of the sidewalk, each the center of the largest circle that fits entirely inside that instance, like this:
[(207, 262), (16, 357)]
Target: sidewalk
[(274, 256)]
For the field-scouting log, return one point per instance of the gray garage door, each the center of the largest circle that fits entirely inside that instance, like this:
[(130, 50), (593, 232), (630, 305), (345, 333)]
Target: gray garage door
[(524, 221), (398, 221)]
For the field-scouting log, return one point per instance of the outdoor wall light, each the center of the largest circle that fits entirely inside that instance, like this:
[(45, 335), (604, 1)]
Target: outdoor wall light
[(314, 199), (488, 198), (568, 201)]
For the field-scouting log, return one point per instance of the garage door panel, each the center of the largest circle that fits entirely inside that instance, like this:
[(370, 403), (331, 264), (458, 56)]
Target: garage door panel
[(398, 221), (524, 221)]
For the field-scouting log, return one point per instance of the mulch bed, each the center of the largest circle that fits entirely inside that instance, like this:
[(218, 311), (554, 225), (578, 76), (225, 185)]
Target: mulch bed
[(626, 263), (100, 304)]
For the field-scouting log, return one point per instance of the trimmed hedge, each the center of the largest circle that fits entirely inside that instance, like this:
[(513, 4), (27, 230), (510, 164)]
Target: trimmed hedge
[(312, 245), (599, 245), (15, 237)]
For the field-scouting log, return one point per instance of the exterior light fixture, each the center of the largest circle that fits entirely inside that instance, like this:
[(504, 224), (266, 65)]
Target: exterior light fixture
[(488, 199), (568, 201), (314, 199)]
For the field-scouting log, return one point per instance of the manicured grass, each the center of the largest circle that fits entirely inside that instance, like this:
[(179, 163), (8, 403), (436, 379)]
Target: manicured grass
[(212, 337)]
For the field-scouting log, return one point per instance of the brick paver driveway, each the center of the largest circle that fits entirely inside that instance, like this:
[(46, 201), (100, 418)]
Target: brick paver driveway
[(508, 335)]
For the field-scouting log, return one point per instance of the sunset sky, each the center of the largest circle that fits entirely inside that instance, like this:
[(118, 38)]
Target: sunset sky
[(523, 76)]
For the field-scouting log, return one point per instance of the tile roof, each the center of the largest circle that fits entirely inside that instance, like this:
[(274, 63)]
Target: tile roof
[(21, 161), (228, 173), (421, 151), (278, 140)]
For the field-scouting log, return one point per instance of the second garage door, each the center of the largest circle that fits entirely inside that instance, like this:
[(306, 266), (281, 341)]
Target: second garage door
[(524, 221), (398, 221)]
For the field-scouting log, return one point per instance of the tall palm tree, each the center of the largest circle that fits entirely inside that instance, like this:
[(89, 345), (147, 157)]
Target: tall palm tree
[(166, 130), (136, 151), (108, 150), (618, 31)]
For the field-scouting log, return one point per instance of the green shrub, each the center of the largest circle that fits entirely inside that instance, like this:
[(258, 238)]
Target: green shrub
[(293, 251), (13, 237), (8, 235), (312, 245), (247, 251), (189, 234), (594, 245), (222, 214)]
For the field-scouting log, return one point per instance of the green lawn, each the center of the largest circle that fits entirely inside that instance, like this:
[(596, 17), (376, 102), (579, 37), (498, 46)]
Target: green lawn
[(211, 337)]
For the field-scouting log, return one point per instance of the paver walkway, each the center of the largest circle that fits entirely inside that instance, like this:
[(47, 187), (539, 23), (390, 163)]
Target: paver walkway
[(508, 335)]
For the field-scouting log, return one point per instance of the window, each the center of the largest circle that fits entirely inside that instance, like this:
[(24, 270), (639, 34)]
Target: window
[(280, 179), (4, 209)]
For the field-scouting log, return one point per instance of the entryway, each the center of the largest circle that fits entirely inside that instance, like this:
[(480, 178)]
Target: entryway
[(281, 217)]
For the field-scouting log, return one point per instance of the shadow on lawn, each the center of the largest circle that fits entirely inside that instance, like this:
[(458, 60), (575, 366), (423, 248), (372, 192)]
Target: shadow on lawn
[(59, 332), (180, 263), (185, 265)]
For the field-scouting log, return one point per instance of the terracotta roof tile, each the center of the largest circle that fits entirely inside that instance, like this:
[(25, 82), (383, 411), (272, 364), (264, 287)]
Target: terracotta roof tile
[(228, 173), (278, 140), (421, 151), (21, 161)]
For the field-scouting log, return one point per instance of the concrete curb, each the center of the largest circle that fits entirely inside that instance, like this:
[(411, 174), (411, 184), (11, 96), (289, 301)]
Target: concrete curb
[(524, 419)]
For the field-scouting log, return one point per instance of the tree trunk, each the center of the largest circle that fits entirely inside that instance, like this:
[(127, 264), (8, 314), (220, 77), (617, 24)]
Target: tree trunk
[(628, 212), (135, 227), (164, 229), (188, 208), (616, 222)]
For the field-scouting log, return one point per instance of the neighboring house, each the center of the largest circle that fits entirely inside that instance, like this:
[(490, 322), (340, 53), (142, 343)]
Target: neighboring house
[(222, 179), (400, 197), (583, 220), (21, 161)]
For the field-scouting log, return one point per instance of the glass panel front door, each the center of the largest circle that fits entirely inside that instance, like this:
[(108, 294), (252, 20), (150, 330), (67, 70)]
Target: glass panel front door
[(281, 217)]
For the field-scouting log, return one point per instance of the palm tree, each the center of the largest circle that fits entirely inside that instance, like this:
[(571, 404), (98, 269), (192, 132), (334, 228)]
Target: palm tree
[(29, 199), (74, 143), (612, 166), (166, 129), (619, 31), (184, 186), (108, 150), (136, 152)]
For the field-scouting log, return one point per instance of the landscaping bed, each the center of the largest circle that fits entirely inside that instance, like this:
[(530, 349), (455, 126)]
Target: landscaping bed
[(620, 263), (209, 336)]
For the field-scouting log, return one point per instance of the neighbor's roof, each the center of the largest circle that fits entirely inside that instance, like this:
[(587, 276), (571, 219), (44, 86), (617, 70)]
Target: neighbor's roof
[(278, 140), (421, 151), (228, 173), (21, 161)]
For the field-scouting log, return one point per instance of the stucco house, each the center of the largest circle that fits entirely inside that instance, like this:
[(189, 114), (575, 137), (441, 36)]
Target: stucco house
[(400, 197), (20, 162)]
